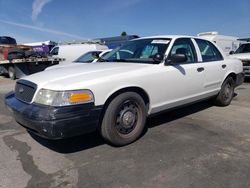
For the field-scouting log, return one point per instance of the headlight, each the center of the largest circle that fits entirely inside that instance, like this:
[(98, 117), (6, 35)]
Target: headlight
[(63, 98)]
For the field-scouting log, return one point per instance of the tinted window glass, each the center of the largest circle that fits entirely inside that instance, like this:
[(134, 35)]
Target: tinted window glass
[(87, 58), (244, 48), (208, 51), (54, 51), (184, 46)]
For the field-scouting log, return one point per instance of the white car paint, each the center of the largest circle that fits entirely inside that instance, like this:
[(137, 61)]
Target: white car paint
[(166, 85)]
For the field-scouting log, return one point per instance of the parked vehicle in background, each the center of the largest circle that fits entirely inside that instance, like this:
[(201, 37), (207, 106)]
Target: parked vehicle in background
[(243, 54), (89, 57), (10, 50), (18, 68), (71, 52), (101, 55), (92, 56), (116, 96), (7, 40), (13, 58), (42, 48), (226, 43)]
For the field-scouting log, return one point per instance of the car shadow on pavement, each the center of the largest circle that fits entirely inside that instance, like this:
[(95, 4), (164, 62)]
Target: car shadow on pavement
[(87, 141), (178, 113), (71, 145)]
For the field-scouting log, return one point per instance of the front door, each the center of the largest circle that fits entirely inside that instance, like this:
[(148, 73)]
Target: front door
[(180, 83)]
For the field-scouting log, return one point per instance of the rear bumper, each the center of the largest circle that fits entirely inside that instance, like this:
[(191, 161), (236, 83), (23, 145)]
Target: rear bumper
[(239, 79), (55, 122)]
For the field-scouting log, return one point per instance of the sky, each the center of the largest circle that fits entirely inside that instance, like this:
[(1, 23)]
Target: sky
[(68, 20)]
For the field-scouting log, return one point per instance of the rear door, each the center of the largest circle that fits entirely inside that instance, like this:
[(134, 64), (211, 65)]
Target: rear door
[(214, 66)]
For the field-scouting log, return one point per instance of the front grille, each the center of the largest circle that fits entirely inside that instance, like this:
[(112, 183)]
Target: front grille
[(25, 90)]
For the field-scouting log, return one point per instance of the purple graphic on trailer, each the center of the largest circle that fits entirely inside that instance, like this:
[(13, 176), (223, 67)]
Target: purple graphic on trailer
[(42, 47)]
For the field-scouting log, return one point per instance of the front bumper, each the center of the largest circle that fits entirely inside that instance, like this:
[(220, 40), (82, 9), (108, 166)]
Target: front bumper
[(55, 122), (240, 79)]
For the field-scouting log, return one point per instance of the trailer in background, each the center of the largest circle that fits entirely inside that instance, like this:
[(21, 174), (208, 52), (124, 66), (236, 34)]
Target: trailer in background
[(226, 43), (42, 47), (17, 68)]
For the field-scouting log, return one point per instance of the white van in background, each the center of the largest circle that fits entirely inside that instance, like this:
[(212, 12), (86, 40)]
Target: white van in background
[(70, 52), (226, 43)]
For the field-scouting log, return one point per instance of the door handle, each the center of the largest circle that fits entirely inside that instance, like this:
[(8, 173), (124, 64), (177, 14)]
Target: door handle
[(200, 69), (224, 66)]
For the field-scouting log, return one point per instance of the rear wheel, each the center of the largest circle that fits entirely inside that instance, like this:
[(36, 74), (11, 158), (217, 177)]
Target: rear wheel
[(124, 119), (11, 73), (226, 93)]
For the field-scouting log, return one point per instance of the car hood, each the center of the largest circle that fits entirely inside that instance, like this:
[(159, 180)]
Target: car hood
[(68, 77), (241, 56), (62, 65)]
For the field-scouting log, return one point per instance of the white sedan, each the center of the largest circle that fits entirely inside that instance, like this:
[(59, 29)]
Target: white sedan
[(143, 77)]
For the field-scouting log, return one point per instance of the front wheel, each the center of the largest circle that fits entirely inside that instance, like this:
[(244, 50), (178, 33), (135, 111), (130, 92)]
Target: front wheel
[(226, 93), (124, 119)]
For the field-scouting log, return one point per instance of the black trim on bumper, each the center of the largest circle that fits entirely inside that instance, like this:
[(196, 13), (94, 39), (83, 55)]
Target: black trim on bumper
[(55, 122), (239, 79)]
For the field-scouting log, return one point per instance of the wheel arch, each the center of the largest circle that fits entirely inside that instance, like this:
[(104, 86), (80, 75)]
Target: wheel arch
[(135, 89), (230, 74)]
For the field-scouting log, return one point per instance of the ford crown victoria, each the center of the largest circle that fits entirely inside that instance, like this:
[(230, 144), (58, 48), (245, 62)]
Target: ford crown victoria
[(141, 78)]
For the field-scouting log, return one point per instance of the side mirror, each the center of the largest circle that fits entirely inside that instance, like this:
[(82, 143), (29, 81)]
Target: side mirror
[(177, 58), (231, 52), (158, 58), (95, 55)]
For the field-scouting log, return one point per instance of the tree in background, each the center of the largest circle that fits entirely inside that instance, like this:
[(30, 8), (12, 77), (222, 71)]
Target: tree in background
[(124, 33)]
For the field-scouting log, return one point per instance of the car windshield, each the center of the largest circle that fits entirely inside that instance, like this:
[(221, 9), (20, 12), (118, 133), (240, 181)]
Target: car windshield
[(88, 57), (139, 51), (244, 48)]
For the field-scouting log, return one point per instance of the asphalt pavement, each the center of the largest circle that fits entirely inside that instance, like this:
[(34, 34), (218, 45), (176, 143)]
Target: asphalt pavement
[(197, 146)]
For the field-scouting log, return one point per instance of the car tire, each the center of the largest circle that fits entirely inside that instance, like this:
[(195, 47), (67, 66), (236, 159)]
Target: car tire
[(226, 93), (124, 119), (11, 73)]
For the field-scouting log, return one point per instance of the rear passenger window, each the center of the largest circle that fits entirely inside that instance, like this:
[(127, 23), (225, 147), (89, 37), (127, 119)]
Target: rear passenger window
[(208, 51)]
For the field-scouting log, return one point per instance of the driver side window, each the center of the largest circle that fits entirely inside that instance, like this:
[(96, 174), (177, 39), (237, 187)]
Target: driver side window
[(184, 46)]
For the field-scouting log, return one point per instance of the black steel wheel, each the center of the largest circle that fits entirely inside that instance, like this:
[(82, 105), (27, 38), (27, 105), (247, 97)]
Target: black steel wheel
[(226, 93), (124, 119)]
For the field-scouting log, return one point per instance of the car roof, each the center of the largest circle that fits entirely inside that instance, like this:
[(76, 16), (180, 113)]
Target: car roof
[(170, 37)]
